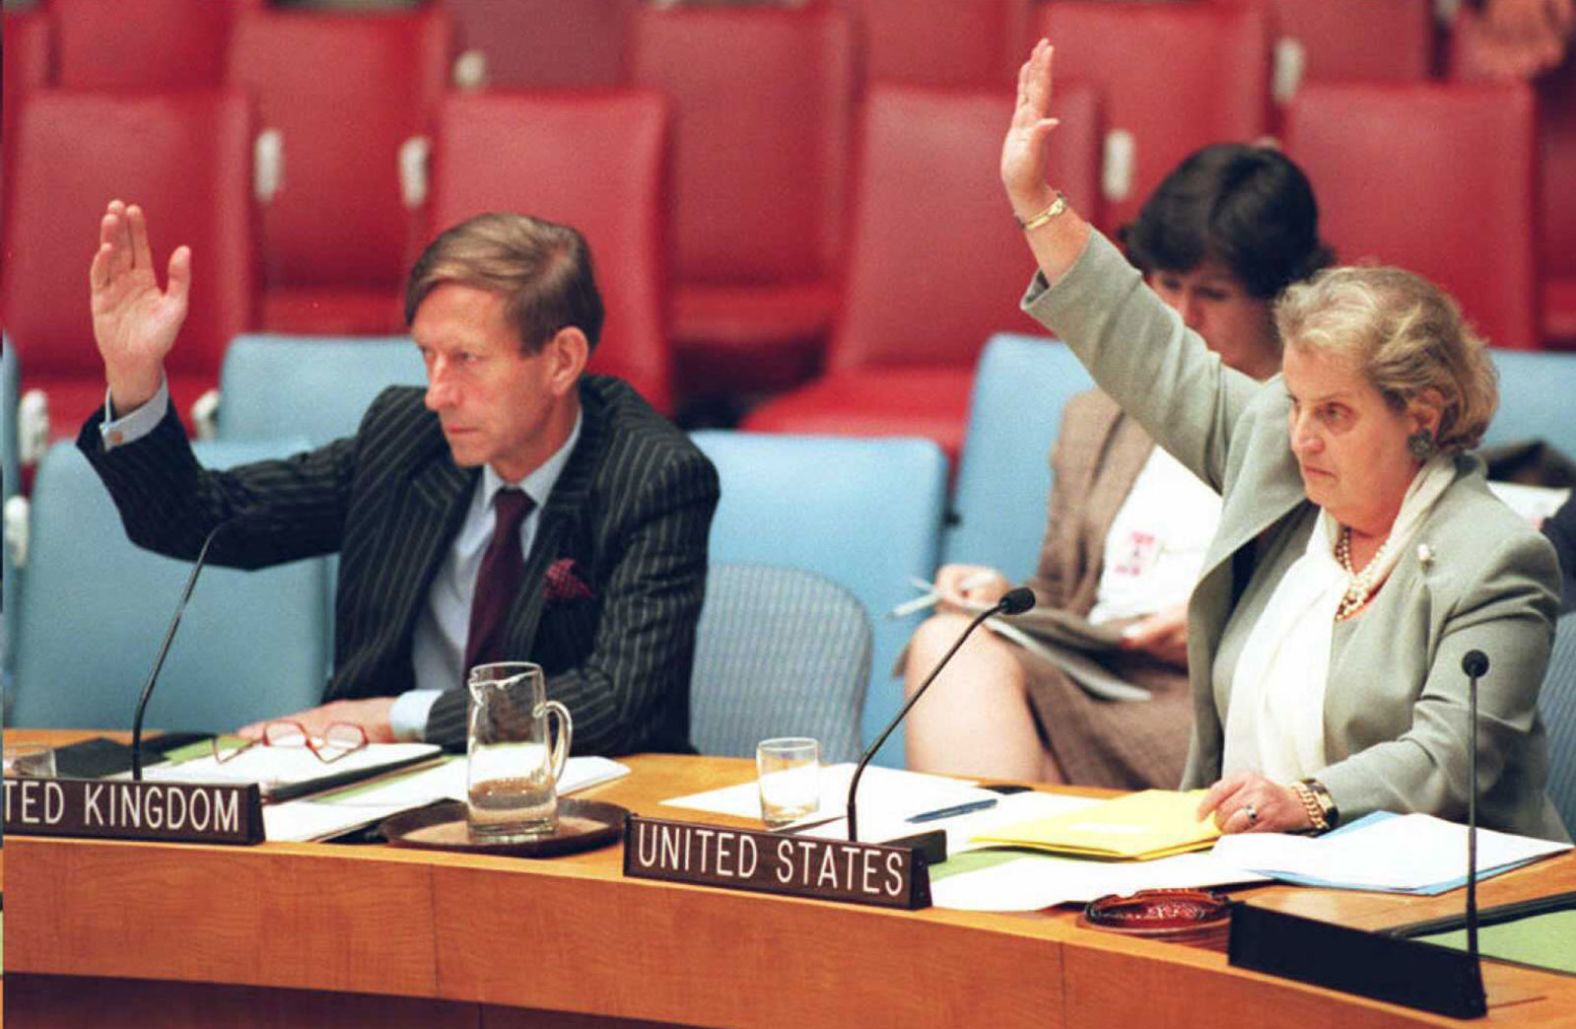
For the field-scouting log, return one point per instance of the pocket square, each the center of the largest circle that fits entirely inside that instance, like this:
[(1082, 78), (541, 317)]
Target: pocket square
[(563, 584)]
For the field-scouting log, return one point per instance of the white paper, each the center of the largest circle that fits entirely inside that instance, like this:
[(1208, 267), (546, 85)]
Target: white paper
[(329, 814), (1534, 503), (890, 791), (1405, 852), (1037, 881)]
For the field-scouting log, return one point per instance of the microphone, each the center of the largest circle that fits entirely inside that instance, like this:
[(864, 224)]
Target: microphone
[(169, 637), (1013, 602), (1474, 664)]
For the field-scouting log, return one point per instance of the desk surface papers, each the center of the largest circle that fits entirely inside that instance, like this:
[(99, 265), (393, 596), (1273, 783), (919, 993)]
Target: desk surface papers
[(1140, 826), (329, 814), (1385, 852)]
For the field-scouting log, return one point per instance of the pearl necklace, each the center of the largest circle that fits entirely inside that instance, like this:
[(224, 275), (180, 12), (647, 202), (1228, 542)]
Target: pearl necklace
[(1360, 585)]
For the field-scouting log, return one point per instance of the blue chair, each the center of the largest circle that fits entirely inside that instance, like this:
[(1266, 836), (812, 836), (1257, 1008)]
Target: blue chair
[(11, 469), (94, 609), (778, 652), (1536, 391), (1004, 475), (315, 387), (865, 513), (1557, 704)]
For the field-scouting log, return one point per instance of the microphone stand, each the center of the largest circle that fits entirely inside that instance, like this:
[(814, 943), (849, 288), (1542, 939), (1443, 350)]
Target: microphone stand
[(1475, 664), (1013, 601), (164, 648)]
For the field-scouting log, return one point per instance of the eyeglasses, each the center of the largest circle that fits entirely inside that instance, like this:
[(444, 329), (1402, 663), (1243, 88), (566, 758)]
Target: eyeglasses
[(339, 739)]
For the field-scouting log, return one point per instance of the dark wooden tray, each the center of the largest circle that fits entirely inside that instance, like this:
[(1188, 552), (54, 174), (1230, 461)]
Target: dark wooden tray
[(582, 825)]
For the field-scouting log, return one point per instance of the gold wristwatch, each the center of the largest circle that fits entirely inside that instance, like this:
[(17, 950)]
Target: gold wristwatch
[(1317, 802)]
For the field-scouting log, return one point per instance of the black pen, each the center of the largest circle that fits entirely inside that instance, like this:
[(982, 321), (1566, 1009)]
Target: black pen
[(953, 811)]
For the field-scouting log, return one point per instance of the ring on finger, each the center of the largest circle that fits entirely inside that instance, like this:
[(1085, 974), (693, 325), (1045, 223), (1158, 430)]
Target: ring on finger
[(1253, 814)]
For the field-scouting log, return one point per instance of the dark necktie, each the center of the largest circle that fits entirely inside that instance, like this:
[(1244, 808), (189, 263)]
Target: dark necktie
[(503, 568)]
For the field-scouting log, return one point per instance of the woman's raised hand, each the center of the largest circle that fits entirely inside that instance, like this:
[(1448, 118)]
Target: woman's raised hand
[(134, 322), (1023, 151)]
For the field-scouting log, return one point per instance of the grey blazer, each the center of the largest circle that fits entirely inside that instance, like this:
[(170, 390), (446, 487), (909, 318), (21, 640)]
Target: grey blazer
[(1395, 710)]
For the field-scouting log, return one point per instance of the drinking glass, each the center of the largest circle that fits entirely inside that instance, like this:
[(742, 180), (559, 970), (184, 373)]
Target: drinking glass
[(29, 761), (788, 771)]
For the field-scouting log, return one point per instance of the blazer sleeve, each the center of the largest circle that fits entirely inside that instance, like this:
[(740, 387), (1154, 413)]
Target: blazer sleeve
[(1138, 351), (631, 692), (1508, 613), (168, 503)]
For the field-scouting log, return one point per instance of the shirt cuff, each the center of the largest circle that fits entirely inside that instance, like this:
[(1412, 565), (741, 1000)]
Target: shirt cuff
[(408, 716), (136, 423)]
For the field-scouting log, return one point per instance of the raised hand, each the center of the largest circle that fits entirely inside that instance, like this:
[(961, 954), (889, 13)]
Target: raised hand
[(134, 322), (1023, 151)]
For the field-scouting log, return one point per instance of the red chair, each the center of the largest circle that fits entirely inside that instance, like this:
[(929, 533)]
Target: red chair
[(937, 264), (1439, 179), (539, 44), (1372, 40), (26, 56), (1557, 146), (1556, 101), (959, 43), (591, 160), (143, 44), (345, 94), (762, 114), (1175, 77), (186, 158)]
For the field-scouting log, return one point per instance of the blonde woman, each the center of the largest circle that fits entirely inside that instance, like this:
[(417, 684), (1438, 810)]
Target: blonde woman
[(1360, 555)]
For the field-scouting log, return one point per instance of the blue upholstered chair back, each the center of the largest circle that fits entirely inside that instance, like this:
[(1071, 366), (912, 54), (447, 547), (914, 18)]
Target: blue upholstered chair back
[(94, 609), (313, 387), (1004, 476), (1557, 703), (865, 513), (1537, 399), (11, 468), (779, 652)]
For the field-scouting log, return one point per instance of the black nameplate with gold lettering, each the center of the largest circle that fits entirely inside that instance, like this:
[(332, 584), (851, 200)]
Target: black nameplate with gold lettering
[(170, 812), (769, 862)]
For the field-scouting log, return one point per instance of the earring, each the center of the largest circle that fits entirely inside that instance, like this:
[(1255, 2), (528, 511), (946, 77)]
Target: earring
[(1421, 445)]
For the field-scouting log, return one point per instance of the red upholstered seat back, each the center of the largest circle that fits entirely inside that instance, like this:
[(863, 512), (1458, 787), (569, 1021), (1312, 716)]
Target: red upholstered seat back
[(936, 263), (345, 91), (1557, 138), (152, 44), (1373, 40), (545, 43), (186, 158), (591, 160), (1434, 178), (26, 56), (955, 43), (1175, 76), (762, 104)]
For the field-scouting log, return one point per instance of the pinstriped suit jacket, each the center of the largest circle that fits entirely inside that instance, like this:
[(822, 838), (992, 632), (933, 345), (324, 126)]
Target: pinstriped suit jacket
[(632, 509)]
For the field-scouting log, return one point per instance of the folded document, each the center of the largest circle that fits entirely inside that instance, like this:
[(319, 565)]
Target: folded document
[(1137, 827)]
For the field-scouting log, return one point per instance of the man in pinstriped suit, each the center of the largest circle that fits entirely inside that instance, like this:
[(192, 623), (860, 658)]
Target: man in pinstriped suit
[(505, 311)]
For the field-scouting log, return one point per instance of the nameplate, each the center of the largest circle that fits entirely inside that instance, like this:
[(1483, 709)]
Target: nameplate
[(769, 862), (114, 809)]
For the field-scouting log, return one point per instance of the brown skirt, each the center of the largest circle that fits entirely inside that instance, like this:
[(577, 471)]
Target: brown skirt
[(1116, 743)]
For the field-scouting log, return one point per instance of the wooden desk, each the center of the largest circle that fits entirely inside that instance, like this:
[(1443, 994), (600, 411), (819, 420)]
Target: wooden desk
[(311, 934)]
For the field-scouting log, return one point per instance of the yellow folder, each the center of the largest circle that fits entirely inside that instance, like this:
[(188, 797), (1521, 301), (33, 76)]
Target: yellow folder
[(1137, 827)]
